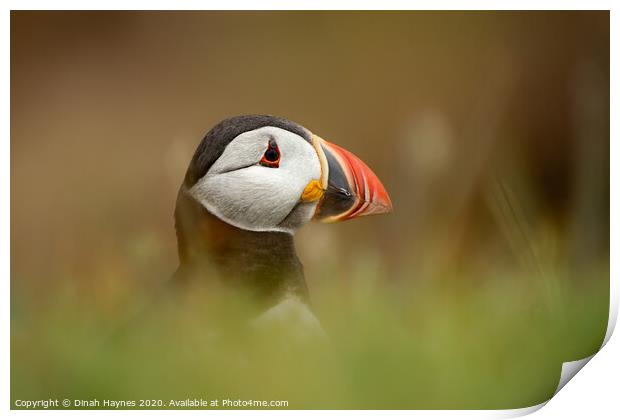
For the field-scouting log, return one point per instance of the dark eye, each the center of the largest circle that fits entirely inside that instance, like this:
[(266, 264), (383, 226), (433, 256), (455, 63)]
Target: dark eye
[(271, 157)]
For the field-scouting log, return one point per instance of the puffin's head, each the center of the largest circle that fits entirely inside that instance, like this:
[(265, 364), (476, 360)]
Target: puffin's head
[(264, 173)]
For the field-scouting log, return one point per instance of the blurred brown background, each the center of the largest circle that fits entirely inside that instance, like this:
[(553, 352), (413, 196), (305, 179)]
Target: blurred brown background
[(107, 108)]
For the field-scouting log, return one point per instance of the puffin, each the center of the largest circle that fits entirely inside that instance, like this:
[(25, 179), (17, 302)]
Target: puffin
[(252, 183)]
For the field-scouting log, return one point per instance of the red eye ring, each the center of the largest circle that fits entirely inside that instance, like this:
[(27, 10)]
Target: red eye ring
[(271, 157)]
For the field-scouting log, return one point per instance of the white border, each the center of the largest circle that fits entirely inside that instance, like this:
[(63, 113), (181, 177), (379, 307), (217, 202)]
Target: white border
[(597, 386)]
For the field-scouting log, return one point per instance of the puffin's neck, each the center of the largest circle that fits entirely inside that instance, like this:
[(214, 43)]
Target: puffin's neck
[(265, 263)]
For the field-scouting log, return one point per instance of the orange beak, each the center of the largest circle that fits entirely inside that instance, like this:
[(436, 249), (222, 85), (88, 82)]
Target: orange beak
[(351, 188)]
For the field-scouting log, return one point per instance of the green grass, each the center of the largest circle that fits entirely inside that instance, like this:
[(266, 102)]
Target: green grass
[(491, 340)]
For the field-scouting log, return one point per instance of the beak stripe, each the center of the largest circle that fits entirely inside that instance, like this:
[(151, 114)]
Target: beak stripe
[(366, 189), (359, 210), (316, 143), (362, 201)]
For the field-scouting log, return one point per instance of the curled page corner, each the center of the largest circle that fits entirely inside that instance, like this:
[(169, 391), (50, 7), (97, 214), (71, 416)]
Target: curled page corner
[(570, 369), (519, 412), (613, 311)]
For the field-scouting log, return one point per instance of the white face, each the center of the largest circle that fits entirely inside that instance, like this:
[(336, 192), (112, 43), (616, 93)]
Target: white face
[(242, 192)]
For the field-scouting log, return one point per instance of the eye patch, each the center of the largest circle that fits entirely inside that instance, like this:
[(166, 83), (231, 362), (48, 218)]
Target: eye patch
[(271, 157)]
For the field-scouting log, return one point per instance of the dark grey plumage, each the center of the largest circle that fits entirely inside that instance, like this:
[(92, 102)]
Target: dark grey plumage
[(215, 141)]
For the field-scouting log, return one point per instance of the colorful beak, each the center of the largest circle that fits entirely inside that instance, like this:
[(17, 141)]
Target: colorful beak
[(351, 188)]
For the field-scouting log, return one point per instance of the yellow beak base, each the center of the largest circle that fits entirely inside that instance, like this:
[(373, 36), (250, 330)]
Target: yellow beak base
[(312, 192)]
